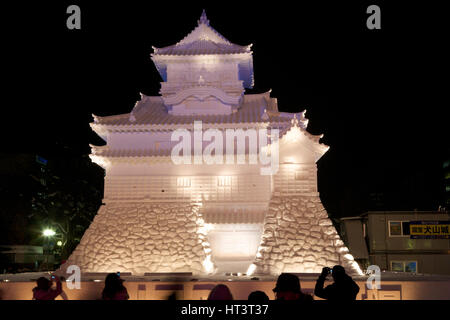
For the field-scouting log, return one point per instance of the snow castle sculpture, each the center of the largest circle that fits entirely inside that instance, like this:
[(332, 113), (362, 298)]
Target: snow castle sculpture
[(159, 216)]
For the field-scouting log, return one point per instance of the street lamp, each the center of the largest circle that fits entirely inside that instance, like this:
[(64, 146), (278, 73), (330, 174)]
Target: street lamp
[(48, 233)]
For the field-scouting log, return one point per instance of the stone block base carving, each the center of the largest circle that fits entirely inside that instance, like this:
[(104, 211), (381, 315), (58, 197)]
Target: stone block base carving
[(299, 237), (141, 238)]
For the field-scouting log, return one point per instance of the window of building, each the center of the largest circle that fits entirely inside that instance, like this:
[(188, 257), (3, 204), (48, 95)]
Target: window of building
[(404, 266), (397, 266), (395, 228), (398, 228), (405, 228)]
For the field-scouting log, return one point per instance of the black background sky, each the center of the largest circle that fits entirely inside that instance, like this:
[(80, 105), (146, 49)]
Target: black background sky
[(379, 96)]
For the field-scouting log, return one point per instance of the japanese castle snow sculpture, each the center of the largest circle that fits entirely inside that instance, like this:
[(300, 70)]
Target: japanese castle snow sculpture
[(161, 216)]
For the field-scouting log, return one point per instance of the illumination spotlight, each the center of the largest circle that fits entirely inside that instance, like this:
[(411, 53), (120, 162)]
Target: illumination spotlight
[(48, 233), (59, 243)]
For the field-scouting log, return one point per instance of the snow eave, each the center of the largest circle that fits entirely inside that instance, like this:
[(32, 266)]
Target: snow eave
[(107, 128), (100, 130), (313, 140), (178, 57)]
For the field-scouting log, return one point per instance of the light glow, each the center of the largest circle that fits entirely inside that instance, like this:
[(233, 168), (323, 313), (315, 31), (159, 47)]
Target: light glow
[(294, 134), (208, 265), (48, 233), (251, 269)]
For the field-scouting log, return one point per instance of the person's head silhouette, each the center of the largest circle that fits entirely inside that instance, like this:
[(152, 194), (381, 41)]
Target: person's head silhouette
[(220, 292), (43, 284), (288, 288), (338, 273), (113, 280), (114, 288), (258, 296), (287, 282)]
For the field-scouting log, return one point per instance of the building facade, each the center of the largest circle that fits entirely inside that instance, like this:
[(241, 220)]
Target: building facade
[(446, 167), (175, 202), (384, 238)]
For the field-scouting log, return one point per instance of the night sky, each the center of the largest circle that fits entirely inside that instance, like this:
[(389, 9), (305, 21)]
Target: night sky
[(378, 96)]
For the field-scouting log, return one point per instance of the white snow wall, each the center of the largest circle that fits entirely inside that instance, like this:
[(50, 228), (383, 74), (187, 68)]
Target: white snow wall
[(299, 237), (139, 238)]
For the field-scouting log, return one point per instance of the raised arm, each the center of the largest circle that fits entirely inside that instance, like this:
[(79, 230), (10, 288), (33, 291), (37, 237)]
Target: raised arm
[(319, 290)]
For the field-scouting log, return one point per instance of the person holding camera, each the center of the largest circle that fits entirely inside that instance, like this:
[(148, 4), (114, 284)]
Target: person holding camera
[(343, 288), (44, 290)]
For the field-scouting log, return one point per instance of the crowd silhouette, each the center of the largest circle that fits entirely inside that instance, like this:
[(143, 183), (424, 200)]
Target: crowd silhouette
[(287, 287)]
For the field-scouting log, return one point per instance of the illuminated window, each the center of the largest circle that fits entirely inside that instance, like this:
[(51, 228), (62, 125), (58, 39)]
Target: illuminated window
[(404, 266), (397, 266), (224, 181), (395, 228), (183, 182), (411, 266)]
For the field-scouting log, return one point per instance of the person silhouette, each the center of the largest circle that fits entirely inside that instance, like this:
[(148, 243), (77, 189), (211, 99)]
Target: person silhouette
[(114, 288), (258, 297), (343, 288), (44, 291), (220, 292), (288, 288)]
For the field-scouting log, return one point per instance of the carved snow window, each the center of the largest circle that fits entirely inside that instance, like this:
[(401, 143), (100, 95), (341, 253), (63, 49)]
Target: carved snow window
[(224, 181), (183, 182)]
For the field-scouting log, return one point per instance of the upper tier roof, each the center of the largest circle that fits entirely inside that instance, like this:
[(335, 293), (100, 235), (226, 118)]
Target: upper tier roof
[(150, 114), (203, 40), (151, 111)]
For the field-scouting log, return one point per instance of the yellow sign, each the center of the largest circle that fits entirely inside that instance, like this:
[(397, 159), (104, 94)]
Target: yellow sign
[(429, 229)]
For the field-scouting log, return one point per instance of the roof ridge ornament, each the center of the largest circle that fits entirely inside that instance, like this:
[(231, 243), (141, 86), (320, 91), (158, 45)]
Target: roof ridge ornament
[(265, 116), (294, 120), (203, 19), (303, 113)]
